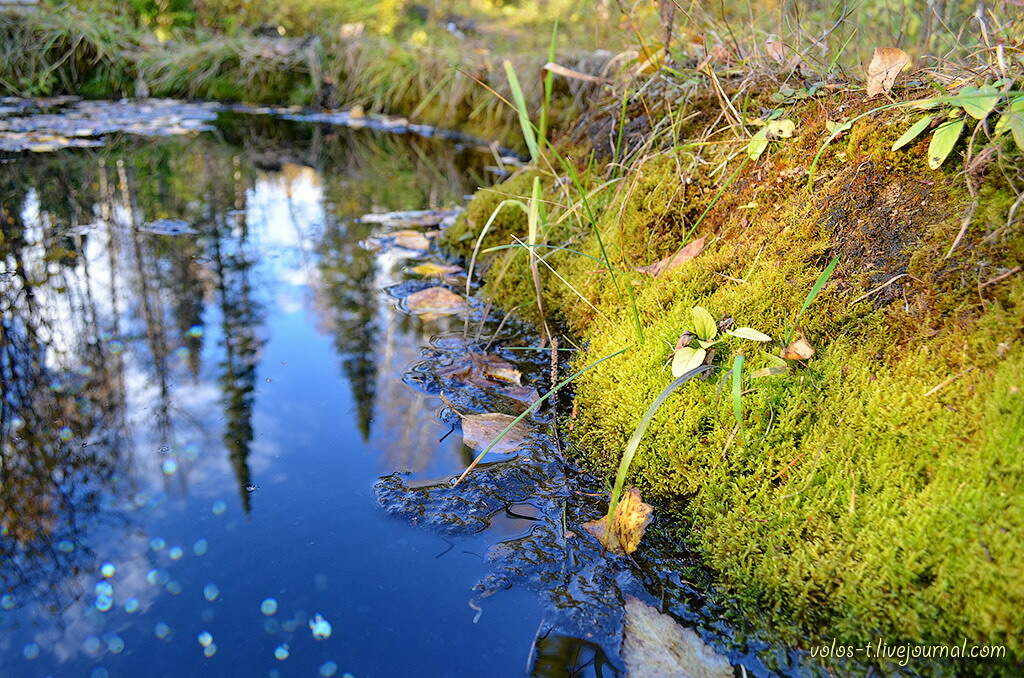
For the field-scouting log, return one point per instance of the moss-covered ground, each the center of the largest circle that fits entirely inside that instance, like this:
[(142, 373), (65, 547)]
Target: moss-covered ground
[(874, 490)]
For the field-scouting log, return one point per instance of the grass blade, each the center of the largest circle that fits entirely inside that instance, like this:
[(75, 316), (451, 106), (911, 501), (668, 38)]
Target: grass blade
[(818, 284), (737, 392), (524, 113), (638, 434)]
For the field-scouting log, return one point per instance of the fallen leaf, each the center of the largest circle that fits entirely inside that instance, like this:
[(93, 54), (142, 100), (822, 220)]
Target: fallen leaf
[(748, 333), (435, 300), (798, 349), (476, 368), (654, 645), (410, 240), (685, 359), (776, 50), (632, 516), (886, 64), (432, 270), (779, 129), (676, 260), (684, 339), (479, 430)]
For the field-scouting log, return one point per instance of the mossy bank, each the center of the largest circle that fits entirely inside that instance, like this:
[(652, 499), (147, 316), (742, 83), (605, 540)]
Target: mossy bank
[(875, 490)]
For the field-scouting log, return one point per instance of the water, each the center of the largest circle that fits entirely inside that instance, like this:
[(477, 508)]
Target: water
[(202, 381)]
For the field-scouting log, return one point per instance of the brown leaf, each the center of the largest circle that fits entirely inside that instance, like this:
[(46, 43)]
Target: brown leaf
[(432, 270), (410, 240), (798, 349), (654, 645), (477, 368), (435, 300), (632, 516), (886, 64), (776, 50), (478, 430), (558, 69), (676, 260)]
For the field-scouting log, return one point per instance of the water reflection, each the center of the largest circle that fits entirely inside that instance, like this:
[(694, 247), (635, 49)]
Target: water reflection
[(145, 373)]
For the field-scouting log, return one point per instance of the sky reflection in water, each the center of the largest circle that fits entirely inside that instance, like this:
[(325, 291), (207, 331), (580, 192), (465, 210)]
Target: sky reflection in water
[(192, 423)]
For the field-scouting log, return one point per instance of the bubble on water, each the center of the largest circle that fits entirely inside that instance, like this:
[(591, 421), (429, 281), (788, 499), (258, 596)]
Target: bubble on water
[(195, 331), (175, 553), (116, 346), (99, 672), (281, 653), (173, 587), (268, 606), (131, 605), (30, 651), (104, 602), (157, 543), (200, 547), (271, 626), (7, 601), (115, 643), (104, 588), (161, 630), (108, 570), (210, 650), (66, 433), (320, 627), (205, 638), (328, 669), (210, 592), (92, 645), (169, 467), (65, 546), (158, 577), (219, 508)]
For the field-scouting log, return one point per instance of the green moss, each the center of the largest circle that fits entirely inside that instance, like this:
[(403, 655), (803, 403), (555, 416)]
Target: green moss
[(878, 490)]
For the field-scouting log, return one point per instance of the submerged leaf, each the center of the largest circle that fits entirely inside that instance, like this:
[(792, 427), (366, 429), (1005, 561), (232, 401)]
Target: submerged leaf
[(912, 132), (654, 645), (479, 430), (432, 270), (748, 333), (943, 140), (685, 359), (435, 300), (676, 260), (886, 64), (631, 518), (703, 323)]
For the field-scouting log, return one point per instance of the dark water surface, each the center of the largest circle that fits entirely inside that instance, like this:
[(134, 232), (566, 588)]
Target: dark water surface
[(192, 423)]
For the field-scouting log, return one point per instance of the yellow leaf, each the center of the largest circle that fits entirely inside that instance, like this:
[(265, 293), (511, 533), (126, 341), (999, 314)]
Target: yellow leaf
[(632, 516), (410, 240), (886, 64), (432, 270), (798, 349)]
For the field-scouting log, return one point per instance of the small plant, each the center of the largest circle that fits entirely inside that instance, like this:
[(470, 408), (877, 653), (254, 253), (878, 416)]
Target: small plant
[(705, 331)]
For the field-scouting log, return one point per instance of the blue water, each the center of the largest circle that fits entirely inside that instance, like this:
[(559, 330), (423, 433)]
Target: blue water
[(192, 424)]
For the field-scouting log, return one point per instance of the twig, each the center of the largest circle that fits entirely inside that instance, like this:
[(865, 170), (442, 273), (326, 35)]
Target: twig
[(1003, 276), (879, 288), (949, 381)]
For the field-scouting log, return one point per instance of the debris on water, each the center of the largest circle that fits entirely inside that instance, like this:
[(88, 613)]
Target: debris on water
[(168, 227), (320, 627), (432, 270), (655, 645), (409, 240), (632, 516), (435, 301), (412, 218)]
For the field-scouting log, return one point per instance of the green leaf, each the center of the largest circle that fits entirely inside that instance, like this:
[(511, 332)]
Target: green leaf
[(686, 359), (748, 333), (773, 371), (758, 144), (818, 284), (704, 325), (943, 141), (912, 132), (737, 391), (977, 101), (1012, 119), (523, 111)]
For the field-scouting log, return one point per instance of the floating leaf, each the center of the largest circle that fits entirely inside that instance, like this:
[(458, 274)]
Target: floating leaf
[(798, 349), (978, 102), (435, 300), (410, 240), (748, 333), (685, 359), (1012, 119), (478, 368), (886, 64), (432, 270), (912, 132), (943, 141), (703, 323), (480, 430), (631, 518), (692, 249), (411, 217), (654, 645)]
